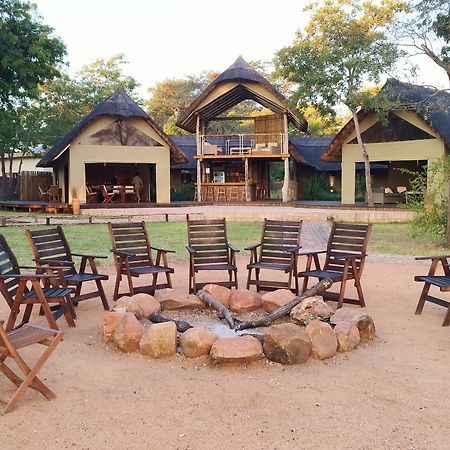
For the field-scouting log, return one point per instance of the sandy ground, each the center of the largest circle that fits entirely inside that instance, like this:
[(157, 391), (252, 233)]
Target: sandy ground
[(392, 393)]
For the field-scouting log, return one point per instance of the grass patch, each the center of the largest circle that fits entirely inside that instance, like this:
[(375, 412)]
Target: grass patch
[(386, 238)]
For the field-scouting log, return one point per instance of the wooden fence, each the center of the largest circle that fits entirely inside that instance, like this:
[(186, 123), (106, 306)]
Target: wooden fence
[(25, 186)]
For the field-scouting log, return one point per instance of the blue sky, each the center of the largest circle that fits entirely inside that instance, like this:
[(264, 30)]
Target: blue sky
[(171, 38)]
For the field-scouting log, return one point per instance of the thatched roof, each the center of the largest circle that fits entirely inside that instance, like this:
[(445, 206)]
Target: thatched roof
[(432, 106), (119, 105), (240, 72)]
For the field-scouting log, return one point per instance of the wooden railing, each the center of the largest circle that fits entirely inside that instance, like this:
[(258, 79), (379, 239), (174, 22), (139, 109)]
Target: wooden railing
[(241, 144)]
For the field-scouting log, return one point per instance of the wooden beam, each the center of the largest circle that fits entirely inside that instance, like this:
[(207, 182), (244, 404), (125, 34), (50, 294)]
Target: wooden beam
[(233, 118)]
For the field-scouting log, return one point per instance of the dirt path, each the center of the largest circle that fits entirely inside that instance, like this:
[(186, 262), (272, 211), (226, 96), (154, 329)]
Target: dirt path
[(392, 394)]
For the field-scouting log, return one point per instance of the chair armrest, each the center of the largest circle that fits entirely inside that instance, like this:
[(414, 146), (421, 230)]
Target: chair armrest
[(27, 276), (162, 250), (312, 253), (81, 255), (252, 247), (422, 258), (43, 267), (295, 249), (190, 249), (123, 253), (349, 256), (55, 262), (233, 248)]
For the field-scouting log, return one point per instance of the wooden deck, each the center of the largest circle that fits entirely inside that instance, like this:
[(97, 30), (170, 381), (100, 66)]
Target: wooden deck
[(36, 206)]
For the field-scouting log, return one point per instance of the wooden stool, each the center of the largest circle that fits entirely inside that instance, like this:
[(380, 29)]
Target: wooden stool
[(242, 195), (221, 194), (234, 194)]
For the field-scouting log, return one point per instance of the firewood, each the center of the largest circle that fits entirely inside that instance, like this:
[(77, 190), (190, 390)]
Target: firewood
[(182, 325), (223, 311), (286, 309)]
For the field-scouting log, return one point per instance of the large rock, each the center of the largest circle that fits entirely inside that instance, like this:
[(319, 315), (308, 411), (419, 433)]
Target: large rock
[(363, 321), (323, 339), (170, 299), (236, 349), (311, 308), (160, 340), (110, 322), (287, 343), (244, 300), (128, 333), (197, 342), (220, 293), (142, 305), (347, 335), (275, 299)]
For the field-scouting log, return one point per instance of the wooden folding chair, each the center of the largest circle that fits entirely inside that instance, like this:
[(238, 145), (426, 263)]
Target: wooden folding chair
[(209, 249), (344, 261), (10, 344), (278, 249), (440, 281), (91, 196), (50, 247), (132, 253), (26, 289), (108, 197)]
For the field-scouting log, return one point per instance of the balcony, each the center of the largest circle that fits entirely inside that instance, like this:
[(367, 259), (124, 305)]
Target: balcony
[(259, 144)]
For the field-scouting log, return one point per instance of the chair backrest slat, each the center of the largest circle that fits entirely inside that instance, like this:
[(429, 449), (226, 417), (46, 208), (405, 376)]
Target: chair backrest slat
[(346, 239), (8, 287), (50, 244), (278, 237), (209, 238), (131, 237)]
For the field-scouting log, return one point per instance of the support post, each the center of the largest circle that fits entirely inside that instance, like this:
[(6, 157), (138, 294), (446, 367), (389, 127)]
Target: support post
[(199, 164), (247, 190), (285, 189)]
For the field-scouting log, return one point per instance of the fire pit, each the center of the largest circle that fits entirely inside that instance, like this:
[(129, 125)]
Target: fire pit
[(236, 326)]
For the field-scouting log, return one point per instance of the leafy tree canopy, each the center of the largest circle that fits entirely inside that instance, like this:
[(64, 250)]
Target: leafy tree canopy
[(29, 52)]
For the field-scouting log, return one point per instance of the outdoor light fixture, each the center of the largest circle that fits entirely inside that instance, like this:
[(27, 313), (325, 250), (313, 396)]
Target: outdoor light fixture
[(207, 170)]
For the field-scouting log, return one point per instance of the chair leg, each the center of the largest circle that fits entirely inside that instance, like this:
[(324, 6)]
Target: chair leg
[(420, 305), (130, 284), (102, 294), (117, 285), (446, 322), (169, 280), (257, 279), (77, 293), (67, 313), (249, 277), (235, 279)]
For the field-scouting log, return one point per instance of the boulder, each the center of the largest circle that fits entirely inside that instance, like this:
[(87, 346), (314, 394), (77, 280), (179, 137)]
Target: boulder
[(363, 321), (110, 322), (273, 300), (160, 340), (347, 335), (197, 342), (287, 343), (311, 307), (170, 299), (236, 349), (323, 340), (142, 305), (221, 293), (128, 333), (366, 327), (244, 300)]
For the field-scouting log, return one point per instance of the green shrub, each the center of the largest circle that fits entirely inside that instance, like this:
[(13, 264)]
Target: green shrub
[(182, 193), (430, 201), (315, 186)]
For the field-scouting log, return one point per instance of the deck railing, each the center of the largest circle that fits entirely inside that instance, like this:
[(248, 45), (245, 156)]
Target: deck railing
[(242, 144)]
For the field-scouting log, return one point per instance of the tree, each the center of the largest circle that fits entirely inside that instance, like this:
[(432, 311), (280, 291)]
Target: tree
[(171, 96), (29, 55), (427, 31), (322, 124), (29, 52), (345, 44)]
